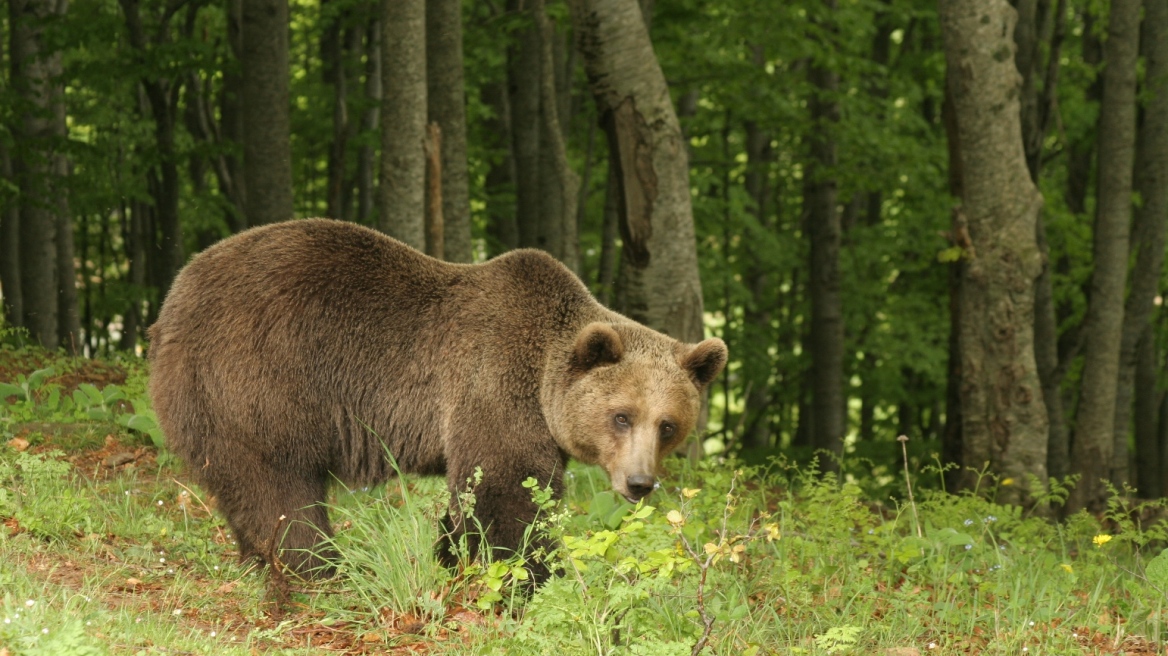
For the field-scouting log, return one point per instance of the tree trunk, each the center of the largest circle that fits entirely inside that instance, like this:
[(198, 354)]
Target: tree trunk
[(565, 184), (366, 165), (68, 312), (1094, 442), (447, 108), (10, 249), (608, 232), (403, 121), (267, 148), (231, 115), (823, 218), (35, 78), (1003, 417), (332, 55), (659, 256), (435, 225), (1148, 225), (1146, 407), (1162, 439), (523, 81), (136, 277), (502, 229)]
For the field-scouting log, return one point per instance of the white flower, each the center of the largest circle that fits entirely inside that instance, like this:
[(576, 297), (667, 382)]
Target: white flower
[(29, 604)]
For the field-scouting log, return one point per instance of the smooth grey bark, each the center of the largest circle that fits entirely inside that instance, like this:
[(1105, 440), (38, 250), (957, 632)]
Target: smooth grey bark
[(659, 267), (35, 78), (523, 85), (366, 153), (267, 147), (403, 121), (563, 181), (1093, 447), (447, 107), (1149, 228), (10, 250), (1003, 416)]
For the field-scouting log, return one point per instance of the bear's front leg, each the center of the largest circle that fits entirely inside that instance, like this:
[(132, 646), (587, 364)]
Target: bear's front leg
[(502, 509)]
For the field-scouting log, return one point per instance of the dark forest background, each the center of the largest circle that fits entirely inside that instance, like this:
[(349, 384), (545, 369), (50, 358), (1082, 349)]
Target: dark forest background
[(938, 220)]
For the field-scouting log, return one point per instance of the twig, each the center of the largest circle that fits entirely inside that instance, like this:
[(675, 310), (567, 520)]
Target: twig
[(192, 493), (904, 450)]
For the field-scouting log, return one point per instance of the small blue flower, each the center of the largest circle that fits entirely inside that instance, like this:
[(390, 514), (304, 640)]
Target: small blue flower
[(1002, 547), (871, 532), (991, 518), (969, 522), (968, 547)]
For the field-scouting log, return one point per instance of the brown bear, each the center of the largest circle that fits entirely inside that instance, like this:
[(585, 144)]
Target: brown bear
[(295, 353)]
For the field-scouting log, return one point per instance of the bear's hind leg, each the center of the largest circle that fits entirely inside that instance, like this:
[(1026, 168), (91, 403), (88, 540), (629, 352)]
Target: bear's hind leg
[(280, 517)]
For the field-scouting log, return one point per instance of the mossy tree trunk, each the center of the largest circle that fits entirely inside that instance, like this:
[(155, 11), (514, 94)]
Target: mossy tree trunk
[(1003, 416)]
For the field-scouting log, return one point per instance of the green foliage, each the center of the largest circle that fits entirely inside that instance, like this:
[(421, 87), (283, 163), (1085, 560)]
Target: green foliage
[(37, 490)]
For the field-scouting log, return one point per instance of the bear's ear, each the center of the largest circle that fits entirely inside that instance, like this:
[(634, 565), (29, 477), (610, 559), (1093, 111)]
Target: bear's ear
[(596, 345), (704, 361)]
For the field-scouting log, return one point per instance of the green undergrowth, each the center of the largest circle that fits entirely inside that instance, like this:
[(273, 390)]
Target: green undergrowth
[(736, 559)]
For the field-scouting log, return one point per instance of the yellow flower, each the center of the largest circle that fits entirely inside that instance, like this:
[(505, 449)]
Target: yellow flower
[(1068, 569), (690, 493), (1007, 481), (675, 518), (772, 532), (1101, 539)]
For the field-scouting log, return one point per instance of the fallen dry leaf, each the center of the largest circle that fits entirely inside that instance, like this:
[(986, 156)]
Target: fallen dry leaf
[(133, 582), (902, 651), (18, 443), (226, 588)]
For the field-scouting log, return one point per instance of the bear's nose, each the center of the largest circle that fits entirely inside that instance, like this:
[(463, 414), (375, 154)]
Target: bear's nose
[(640, 485)]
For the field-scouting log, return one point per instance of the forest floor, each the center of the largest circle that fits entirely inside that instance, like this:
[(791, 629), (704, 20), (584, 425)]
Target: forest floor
[(108, 547)]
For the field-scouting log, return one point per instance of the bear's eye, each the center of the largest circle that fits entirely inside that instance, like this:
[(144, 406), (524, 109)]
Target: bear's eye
[(667, 430), (621, 419)]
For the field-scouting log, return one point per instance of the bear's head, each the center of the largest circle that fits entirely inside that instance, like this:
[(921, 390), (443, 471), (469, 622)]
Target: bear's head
[(625, 396)]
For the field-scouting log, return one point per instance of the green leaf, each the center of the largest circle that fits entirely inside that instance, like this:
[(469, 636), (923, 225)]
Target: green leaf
[(8, 389), (1157, 570)]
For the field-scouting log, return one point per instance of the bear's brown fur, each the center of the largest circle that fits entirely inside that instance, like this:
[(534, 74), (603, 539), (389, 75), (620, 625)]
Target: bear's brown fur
[(301, 351)]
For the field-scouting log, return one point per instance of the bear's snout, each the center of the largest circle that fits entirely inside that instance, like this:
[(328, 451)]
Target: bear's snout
[(639, 485)]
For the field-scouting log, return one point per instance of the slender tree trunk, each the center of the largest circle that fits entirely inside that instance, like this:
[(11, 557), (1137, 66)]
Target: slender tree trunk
[(1094, 442), (608, 233), (1145, 413), (823, 218), (524, 75), (502, 228), (231, 114), (1004, 419), (1149, 224), (366, 166), (403, 121), (267, 148), (1035, 113), (35, 78), (659, 256), (162, 96), (10, 250), (566, 183), (447, 108), (68, 312), (435, 224), (136, 257), (332, 54)]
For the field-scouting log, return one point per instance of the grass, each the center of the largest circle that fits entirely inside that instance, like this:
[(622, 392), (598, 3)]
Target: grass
[(104, 555)]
